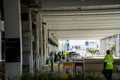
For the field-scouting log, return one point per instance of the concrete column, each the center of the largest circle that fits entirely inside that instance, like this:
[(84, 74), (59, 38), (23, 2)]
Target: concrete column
[(117, 46), (113, 41), (38, 43), (107, 43), (40, 39), (31, 43), (47, 50), (102, 46), (0, 14), (1, 29), (0, 46), (12, 13), (45, 43)]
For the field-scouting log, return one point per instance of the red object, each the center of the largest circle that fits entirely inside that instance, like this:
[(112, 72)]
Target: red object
[(78, 68)]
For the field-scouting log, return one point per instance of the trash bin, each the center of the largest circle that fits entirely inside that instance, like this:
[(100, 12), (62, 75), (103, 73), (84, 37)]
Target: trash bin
[(67, 69), (78, 67)]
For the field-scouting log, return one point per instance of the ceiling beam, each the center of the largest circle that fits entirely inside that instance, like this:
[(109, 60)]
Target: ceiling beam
[(59, 27), (78, 12), (80, 38), (87, 29), (88, 32), (81, 17), (76, 3), (85, 24)]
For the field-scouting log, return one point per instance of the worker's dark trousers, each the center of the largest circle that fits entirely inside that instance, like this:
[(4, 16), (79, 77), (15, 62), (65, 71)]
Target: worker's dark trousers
[(108, 74)]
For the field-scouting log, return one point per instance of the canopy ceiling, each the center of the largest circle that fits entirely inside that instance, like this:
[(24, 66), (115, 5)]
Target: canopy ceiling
[(81, 19)]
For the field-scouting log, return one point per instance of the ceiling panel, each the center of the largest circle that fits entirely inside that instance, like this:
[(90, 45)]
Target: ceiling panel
[(84, 27), (82, 19), (88, 34), (54, 4), (79, 19)]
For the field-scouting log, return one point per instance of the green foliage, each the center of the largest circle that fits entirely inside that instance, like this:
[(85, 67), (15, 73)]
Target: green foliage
[(87, 76), (55, 76), (112, 46), (40, 76), (93, 51), (26, 76), (93, 76)]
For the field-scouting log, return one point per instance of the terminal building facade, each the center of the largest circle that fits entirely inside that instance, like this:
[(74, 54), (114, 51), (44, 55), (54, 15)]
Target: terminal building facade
[(26, 39)]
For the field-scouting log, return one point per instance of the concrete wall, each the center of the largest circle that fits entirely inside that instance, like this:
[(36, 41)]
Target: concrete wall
[(97, 64)]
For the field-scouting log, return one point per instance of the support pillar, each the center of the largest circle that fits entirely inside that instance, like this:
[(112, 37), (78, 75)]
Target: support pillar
[(31, 45), (39, 26), (102, 46), (117, 45), (12, 13), (38, 43), (45, 42)]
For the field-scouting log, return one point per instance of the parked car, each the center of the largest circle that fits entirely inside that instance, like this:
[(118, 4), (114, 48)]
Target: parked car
[(74, 55)]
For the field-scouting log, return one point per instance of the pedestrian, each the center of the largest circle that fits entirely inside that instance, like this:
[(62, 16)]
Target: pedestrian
[(51, 54), (59, 56), (48, 62), (55, 56), (108, 65), (52, 60)]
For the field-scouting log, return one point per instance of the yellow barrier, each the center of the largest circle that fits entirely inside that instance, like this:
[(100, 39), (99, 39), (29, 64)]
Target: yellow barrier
[(67, 69)]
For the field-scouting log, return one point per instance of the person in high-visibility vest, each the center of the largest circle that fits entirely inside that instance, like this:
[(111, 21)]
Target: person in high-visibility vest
[(65, 54), (108, 60)]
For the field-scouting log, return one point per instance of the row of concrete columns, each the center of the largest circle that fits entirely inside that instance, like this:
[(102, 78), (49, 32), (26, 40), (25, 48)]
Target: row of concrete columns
[(38, 41), (33, 41)]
